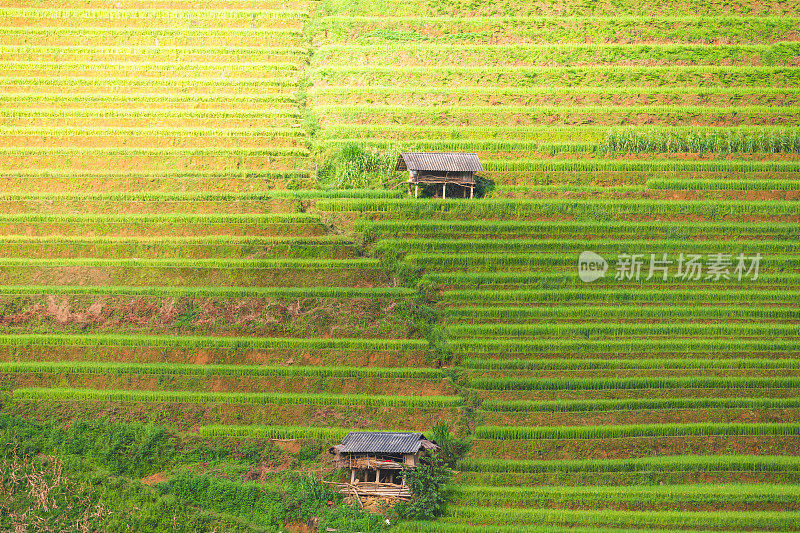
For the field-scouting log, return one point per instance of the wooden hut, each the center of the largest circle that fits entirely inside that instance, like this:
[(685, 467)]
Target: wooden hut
[(375, 459), (437, 168)]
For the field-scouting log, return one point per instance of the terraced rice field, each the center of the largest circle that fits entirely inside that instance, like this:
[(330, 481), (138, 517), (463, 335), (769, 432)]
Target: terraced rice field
[(165, 257), (598, 93), (613, 386)]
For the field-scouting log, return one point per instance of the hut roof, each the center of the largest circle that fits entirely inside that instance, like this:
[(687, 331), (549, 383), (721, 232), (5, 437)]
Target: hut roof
[(383, 442), (439, 162)]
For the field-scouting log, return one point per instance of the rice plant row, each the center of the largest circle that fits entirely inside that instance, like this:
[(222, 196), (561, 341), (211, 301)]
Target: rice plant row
[(456, 526), (657, 520), (211, 292), (628, 140), (637, 404), (636, 383), (635, 348), (623, 7), (211, 196), (640, 165), (623, 263), (91, 367), (635, 430), (533, 19), (543, 90), (164, 174), (139, 81), (148, 66), (89, 34), (172, 98), (75, 131), (169, 14), (169, 242), (686, 297), (586, 133), (687, 29), (191, 342), (134, 218), (786, 146), (677, 463), (430, 208), (278, 398), (560, 246), (255, 264), (565, 53), (216, 151), (480, 314), (59, 112), (739, 493), (549, 364), (33, 49), (436, 110), (563, 278), (724, 185), (610, 77), (680, 231), (612, 330)]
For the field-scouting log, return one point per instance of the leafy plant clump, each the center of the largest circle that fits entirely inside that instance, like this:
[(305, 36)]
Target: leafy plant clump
[(429, 484), (354, 167), (452, 448)]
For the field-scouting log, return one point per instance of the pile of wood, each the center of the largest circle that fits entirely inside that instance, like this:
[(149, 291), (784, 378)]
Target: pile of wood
[(378, 490), (371, 463)]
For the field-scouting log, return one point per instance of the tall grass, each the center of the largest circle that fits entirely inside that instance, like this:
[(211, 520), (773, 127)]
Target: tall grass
[(275, 432)]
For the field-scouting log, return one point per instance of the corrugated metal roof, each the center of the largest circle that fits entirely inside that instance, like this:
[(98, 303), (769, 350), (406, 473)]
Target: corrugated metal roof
[(439, 161), (380, 442)]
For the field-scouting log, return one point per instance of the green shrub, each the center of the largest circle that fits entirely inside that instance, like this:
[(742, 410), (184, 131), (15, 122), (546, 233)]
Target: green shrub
[(245, 500), (428, 483), (452, 448)]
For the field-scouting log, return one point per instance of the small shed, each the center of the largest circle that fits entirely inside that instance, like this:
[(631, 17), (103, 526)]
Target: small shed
[(375, 459), (440, 168)]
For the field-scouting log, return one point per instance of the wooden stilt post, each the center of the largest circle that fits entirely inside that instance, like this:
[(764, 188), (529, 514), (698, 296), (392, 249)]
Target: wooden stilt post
[(352, 476), (471, 191), (377, 475), (416, 190), (444, 191)]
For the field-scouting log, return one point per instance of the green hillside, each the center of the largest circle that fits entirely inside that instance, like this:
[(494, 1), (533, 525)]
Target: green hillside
[(210, 272)]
